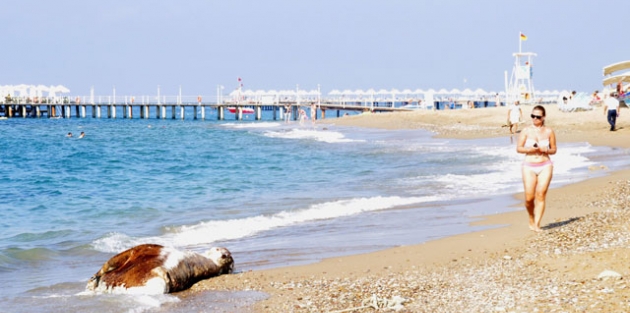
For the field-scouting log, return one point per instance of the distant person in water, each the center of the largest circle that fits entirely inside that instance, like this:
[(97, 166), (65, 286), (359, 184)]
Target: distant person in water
[(82, 135), (69, 135)]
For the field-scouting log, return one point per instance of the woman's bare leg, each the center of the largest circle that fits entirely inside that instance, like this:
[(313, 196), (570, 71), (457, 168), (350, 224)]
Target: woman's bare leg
[(544, 179), (529, 183)]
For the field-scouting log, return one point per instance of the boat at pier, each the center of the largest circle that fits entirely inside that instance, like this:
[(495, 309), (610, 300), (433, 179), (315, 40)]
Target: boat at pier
[(244, 110)]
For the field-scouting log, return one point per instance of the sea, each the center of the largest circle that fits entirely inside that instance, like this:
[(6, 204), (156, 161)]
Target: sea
[(274, 193)]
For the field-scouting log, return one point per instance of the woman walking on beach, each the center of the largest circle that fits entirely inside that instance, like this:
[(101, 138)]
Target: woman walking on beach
[(537, 142)]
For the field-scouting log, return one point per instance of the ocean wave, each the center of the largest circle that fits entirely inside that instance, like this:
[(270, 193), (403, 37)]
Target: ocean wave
[(252, 125), (317, 135), (12, 257), (213, 231)]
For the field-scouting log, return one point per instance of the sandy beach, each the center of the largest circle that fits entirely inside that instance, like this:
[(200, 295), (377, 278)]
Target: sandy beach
[(504, 269)]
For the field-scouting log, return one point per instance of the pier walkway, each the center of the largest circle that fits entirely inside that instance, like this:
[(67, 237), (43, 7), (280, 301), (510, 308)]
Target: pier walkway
[(161, 111)]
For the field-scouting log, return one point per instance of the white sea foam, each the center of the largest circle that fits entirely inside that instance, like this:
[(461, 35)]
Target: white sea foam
[(505, 176), (212, 231), (252, 125), (317, 135)]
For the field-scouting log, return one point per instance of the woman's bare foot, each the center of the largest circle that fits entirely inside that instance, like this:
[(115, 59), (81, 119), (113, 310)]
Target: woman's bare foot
[(534, 228)]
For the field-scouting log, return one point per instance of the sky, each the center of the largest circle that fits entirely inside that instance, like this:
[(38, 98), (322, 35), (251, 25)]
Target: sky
[(136, 46)]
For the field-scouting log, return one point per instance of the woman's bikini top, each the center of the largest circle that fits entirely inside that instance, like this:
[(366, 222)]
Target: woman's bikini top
[(529, 143)]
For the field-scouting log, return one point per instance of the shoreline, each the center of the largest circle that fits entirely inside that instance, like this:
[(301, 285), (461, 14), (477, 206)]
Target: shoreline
[(462, 272)]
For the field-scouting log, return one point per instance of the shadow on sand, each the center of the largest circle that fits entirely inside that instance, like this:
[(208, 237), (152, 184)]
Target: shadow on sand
[(561, 223)]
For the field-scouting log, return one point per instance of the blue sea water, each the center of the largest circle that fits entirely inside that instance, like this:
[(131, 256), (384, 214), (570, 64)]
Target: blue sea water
[(273, 193)]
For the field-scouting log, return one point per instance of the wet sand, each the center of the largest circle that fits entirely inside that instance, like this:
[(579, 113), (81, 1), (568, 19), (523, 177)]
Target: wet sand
[(503, 269)]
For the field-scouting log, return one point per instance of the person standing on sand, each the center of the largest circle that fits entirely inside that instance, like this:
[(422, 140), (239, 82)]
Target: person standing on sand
[(515, 115), (537, 142), (611, 109)]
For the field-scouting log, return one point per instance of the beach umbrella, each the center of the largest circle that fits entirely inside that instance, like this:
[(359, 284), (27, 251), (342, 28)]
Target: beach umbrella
[(455, 91), (418, 91), (52, 92), (347, 92), (335, 93), (22, 89), (382, 92), (480, 92), (442, 91), (61, 89)]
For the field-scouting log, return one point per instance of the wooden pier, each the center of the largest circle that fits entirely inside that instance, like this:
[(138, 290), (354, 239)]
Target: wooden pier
[(161, 111)]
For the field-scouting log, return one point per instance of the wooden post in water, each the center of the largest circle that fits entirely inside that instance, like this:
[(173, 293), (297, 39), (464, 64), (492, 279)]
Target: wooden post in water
[(323, 113), (258, 110), (173, 112), (38, 111), (146, 111), (23, 111), (77, 111), (163, 110), (141, 111), (195, 108), (68, 111), (181, 111), (52, 111), (98, 111), (83, 109), (274, 110), (220, 112), (203, 112)]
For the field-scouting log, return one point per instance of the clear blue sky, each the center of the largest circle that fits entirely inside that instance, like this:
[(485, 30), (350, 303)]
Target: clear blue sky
[(277, 44)]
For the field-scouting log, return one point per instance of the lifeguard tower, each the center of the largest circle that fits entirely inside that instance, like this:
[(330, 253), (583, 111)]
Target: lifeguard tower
[(521, 84)]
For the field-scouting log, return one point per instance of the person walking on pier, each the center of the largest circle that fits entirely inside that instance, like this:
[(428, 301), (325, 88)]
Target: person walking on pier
[(287, 112), (313, 111)]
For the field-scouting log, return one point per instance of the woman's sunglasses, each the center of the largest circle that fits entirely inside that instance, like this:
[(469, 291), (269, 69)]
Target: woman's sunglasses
[(538, 117)]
